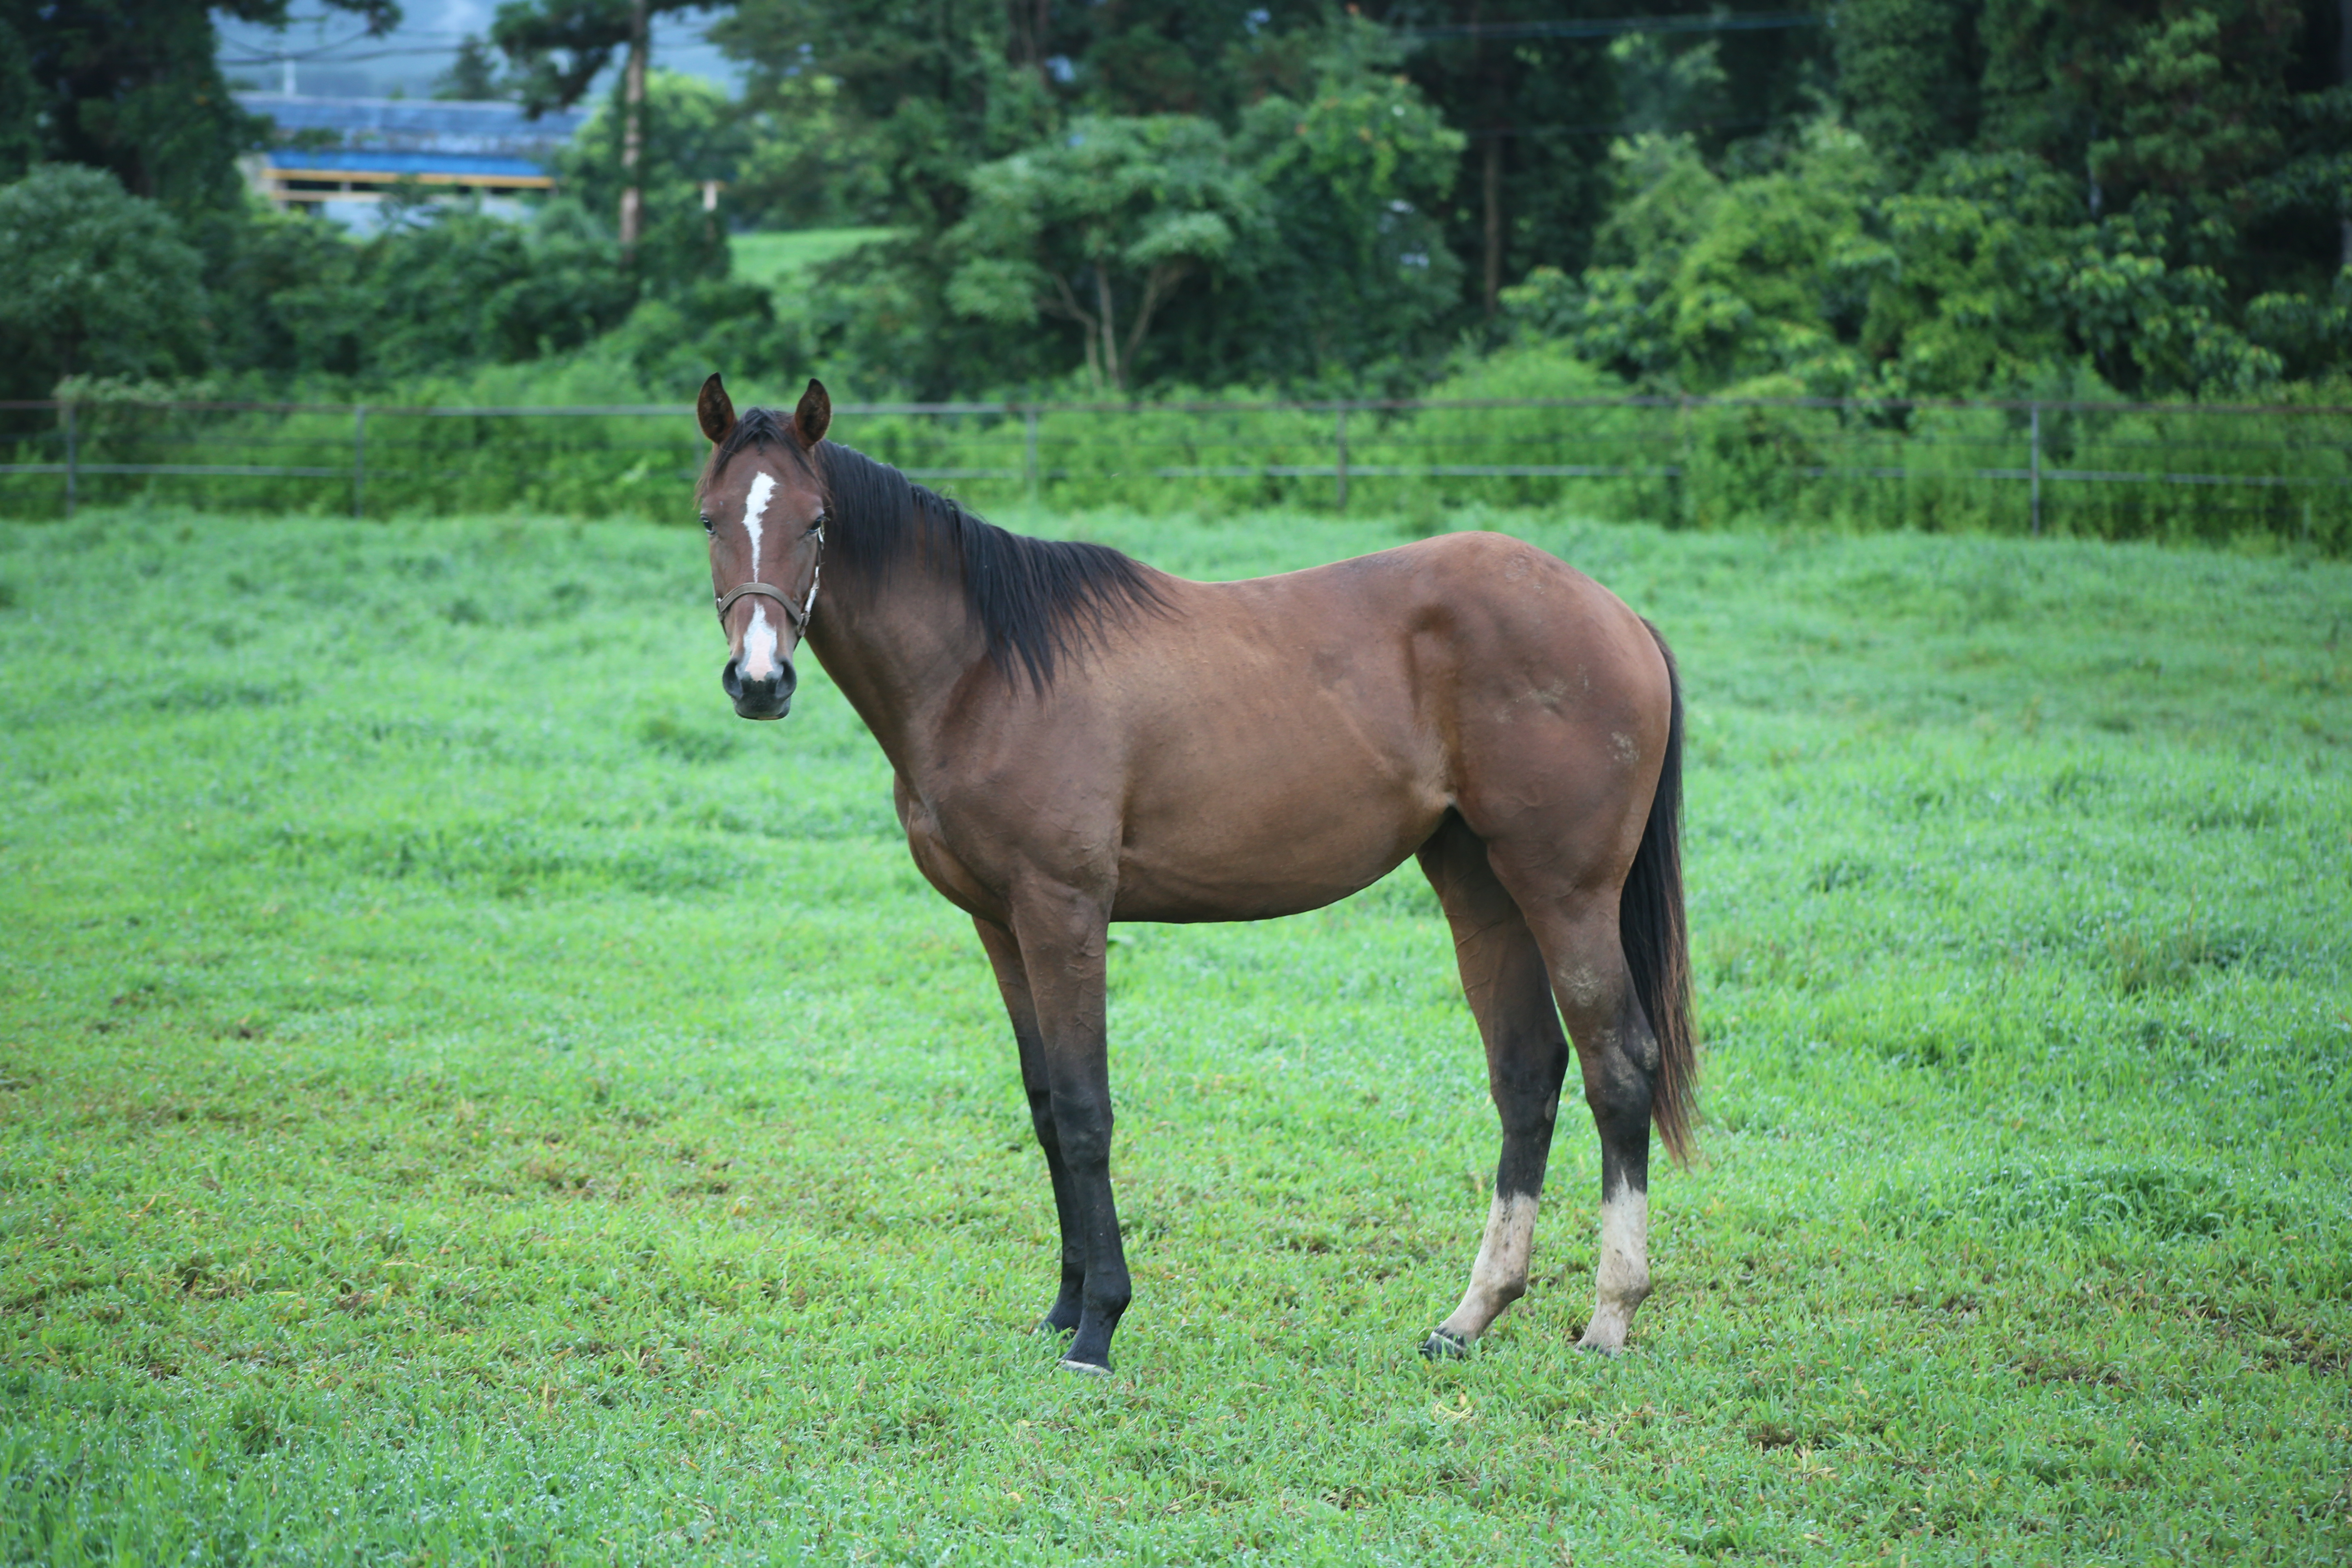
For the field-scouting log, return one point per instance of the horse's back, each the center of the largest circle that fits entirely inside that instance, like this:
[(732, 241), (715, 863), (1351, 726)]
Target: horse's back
[(1286, 740)]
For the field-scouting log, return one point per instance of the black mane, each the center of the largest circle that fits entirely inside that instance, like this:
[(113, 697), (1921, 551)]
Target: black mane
[(1037, 601)]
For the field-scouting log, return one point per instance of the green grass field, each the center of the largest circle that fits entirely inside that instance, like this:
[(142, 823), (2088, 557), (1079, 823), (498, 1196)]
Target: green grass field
[(463, 1096), (779, 260)]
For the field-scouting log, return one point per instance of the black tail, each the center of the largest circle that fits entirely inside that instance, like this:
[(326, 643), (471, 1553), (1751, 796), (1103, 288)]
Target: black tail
[(1656, 939)]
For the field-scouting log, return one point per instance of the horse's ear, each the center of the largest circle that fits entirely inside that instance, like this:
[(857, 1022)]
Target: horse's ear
[(813, 418), (716, 410)]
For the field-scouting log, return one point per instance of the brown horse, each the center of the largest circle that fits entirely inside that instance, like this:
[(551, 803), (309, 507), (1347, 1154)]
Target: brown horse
[(1079, 739)]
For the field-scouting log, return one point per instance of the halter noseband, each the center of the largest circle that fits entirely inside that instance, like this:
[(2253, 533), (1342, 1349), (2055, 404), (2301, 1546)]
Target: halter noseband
[(797, 614)]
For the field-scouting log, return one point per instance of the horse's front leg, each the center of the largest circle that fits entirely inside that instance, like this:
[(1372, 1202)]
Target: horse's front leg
[(1012, 981), (1061, 933)]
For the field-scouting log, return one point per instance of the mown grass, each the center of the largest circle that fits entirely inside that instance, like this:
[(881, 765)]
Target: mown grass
[(778, 260), (463, 1096)]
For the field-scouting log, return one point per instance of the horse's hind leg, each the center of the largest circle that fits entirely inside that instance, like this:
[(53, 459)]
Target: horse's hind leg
[(1617, 1053), (1503, 976), (1012, 981)]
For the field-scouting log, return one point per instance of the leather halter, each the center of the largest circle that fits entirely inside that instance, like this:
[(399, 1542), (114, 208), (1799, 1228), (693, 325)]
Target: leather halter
[(797, 614)]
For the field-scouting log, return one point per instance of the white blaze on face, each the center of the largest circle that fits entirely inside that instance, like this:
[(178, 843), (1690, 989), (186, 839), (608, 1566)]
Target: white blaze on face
[(755, 509), (760, 660)]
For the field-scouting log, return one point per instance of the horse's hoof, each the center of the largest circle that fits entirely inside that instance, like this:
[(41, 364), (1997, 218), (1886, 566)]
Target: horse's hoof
[(1605, 1334), (1594, 1347), (1047, 1326), (1087, 1367), (1443, 1346)]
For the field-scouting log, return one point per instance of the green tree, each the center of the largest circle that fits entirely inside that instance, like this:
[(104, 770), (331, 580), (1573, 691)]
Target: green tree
[(20, 94), (1306, 249), (1353, 284), (2185, 98), (93, 281), (691, 132), (1977, 301), (2210, 139), (132, 87), (473, 75), (1099, 227), (1531, 184), (805, 164), (1908, 75), (1537, 85), (1206, 58), (1985, 278), (927, 89), (559, 46), (1668, 84), (1701, 283), (438, 292)]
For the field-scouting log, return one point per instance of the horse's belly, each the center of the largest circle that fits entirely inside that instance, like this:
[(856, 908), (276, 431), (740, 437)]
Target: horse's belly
[(1237, 857), (1185, 894), (1275, 784)]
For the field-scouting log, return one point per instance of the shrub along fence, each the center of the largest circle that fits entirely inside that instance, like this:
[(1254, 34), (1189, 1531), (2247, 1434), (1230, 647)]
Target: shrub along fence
[(2171, 471)]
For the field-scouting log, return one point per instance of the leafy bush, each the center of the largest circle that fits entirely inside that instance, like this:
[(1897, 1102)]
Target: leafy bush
[(93, 281), (1985, 277)]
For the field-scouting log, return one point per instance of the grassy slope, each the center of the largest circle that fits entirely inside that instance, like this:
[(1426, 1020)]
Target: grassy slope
[(776, 259), (461, 1092)]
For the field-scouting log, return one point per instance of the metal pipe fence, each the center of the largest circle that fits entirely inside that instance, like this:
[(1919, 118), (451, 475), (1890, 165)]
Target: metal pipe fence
[(2103, 469)]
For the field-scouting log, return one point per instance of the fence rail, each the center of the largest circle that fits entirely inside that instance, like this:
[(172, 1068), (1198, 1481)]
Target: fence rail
[(1691, 458)]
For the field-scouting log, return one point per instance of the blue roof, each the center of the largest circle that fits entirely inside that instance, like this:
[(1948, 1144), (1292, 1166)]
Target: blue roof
[(419, 125), (474, 165)]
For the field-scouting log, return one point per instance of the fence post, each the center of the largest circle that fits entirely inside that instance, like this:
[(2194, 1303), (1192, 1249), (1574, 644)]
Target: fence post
[(359, 460), (1029, 451), (2037, 470), (73, 457), (1340, 470), (1685, 451)]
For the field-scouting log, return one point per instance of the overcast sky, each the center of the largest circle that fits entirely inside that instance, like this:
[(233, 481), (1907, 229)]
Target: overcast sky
[(340, 61)]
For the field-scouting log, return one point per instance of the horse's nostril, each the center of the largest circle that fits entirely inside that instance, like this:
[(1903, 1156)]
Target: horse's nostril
[(731, 681)]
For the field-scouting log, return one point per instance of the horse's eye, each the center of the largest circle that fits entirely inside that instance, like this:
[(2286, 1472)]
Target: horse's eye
[(705, 523)]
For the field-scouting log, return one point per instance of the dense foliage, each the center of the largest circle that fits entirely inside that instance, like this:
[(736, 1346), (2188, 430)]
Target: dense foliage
[(1903, 197), (1985, 273), (94, 280)]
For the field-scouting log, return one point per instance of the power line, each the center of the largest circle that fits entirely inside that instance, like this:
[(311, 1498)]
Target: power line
[(1613, 27), (1616, 128), (320, 55), (336, 59), (318, 52)]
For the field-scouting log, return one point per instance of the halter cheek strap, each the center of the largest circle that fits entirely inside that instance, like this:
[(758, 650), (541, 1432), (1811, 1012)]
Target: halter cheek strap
[(797, 614)]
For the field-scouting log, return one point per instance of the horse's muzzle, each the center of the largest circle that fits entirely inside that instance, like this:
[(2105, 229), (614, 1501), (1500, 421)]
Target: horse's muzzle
[(769, 698)]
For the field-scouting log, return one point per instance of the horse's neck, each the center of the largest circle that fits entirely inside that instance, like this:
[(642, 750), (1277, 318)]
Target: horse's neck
[(898, 650)]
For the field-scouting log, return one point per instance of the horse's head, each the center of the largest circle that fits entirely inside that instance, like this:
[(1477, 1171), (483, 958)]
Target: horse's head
[(762, 503)]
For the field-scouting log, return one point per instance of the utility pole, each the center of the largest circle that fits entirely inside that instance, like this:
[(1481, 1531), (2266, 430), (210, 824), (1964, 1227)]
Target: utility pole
[(1025, 40), (633, 131), (2344, 77), (1493, 192), (1490, 168)]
